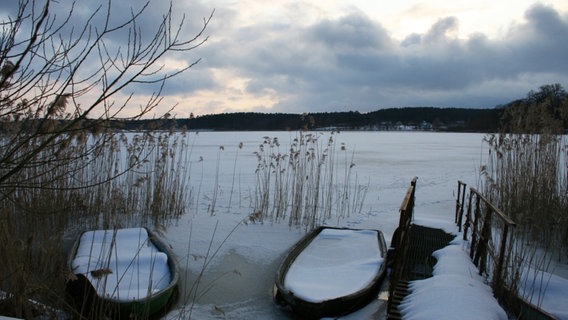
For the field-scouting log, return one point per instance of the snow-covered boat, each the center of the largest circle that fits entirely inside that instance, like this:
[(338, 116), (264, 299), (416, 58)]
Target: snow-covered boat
[(122, 273), (331, 272)]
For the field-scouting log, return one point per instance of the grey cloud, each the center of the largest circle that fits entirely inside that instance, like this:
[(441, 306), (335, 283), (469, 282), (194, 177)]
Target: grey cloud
[(540, 45), (412, 39), (352, 63), (354, 31), (435, 68), (546, 20), (440, 30)]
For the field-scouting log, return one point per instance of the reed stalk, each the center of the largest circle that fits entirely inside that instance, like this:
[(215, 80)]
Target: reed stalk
[(234, 173), (215, 192)]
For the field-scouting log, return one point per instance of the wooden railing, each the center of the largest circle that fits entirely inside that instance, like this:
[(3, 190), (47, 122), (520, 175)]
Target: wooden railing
[(491, 242), (400, 238), (460, 201), (488, 231)]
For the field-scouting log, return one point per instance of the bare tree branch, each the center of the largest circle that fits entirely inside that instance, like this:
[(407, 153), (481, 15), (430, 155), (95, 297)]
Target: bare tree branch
[(51, 82)]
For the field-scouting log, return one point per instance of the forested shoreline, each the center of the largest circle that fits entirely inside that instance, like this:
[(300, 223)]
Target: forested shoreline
[(417, 118)]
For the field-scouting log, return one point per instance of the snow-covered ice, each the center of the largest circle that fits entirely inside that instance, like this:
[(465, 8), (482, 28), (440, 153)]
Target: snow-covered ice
[(238, 280), (547, 290)]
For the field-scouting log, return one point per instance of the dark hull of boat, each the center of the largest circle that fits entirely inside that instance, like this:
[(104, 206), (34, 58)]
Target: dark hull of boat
[(328, 308), (90, 305)]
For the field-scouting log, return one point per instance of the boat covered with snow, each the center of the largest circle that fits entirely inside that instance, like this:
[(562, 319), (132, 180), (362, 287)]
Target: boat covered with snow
[(122, 274), (331, 272)]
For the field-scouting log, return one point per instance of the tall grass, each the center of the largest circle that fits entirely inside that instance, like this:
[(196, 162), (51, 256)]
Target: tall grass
[(301, 186), (526, 176), (96, 181)]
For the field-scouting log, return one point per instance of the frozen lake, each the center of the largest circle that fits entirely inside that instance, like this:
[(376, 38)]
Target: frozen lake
[(237, 282)]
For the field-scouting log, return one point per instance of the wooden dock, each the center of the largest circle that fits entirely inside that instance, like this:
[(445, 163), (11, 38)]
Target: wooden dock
[(484, 225), (418, 261)]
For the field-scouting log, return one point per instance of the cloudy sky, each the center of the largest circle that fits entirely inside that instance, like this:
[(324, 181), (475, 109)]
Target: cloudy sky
[(333, 55)]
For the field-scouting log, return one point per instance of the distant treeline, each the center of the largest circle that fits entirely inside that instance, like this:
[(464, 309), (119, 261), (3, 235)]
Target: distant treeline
[(419, 118), (542, 110)]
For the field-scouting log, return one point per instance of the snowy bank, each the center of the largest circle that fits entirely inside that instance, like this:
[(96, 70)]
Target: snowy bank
[(546, 290), (455, 291)]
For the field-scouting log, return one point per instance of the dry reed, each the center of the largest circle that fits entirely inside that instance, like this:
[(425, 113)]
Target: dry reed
[(85, 181), (301, 186), (526, 177)]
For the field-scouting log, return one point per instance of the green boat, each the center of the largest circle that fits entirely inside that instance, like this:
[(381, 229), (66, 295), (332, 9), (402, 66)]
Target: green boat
[(122, 274), (331, 272)]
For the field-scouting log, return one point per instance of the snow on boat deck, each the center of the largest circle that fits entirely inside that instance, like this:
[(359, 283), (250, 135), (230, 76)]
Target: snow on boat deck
[(122, 264), (337, 262)]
